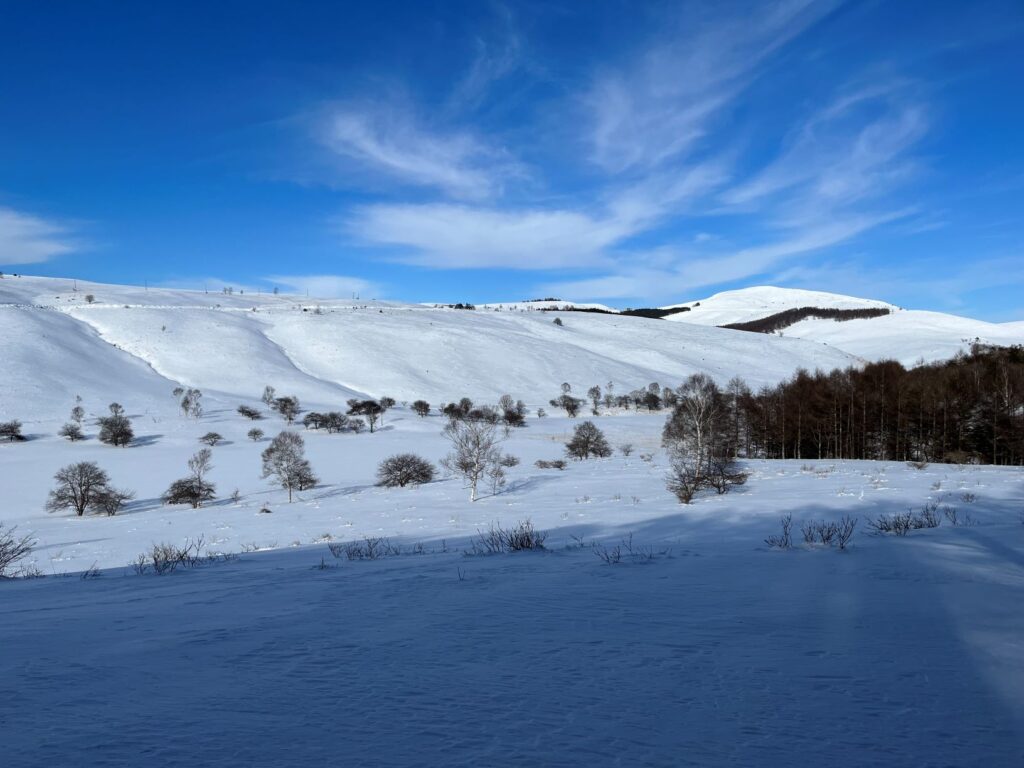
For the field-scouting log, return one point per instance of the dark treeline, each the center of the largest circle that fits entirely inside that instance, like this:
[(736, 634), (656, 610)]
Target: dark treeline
[(781, 320), (968, 409), (654, 313)]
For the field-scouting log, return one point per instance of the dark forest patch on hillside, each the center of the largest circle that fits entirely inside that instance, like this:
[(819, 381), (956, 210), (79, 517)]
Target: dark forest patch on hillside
[(786, 318)]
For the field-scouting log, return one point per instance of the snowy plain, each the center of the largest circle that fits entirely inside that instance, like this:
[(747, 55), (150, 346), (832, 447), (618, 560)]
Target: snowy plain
[(705, 647)]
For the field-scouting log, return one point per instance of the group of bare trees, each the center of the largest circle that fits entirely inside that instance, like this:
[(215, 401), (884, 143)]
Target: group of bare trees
[(968, 409)]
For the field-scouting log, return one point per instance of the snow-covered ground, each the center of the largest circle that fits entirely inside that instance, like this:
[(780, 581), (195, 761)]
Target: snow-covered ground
[(705, 648), (702, 647)]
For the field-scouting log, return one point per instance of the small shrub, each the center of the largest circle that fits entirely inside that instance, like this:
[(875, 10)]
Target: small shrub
[(249, 412), (255, 434), (190, 491), (626, 449), (509, 461), (550, 464), (496, 540), (12, 549), (784, 540), (211, 438), (404, 469), (917, 464), (844, 530)]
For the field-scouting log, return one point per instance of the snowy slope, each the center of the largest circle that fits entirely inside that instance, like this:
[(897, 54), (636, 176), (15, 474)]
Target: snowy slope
[(326, 352), (754, 303), (910, 336)]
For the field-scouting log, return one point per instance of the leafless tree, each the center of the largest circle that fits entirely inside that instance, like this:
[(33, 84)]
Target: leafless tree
[(587, 441), (475, 450), (79, 487), (12, 549), (285, 460)]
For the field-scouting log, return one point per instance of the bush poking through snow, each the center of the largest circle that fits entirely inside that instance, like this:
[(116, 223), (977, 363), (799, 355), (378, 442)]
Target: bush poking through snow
[(901, 523), (785, 539), (12, 549), (497, 540), (404, 469), (421, 408), (550, 464), (249, 412), (166, 558), (626, 449), (587, 440), (917, 464), (255, 434), (211, 438)]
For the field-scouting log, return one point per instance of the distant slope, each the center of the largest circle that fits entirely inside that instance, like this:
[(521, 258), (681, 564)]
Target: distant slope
[(910, 336), (747, 304)]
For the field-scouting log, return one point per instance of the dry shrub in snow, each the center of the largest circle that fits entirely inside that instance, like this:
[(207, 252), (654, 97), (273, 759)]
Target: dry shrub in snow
[(11, 431), (550, 464), (496, 539), (12, 549)]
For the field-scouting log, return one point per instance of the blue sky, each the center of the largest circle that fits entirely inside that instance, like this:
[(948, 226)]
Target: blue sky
[(630, 153)]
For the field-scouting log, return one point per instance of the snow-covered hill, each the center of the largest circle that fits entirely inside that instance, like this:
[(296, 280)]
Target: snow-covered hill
[(754, 303), (135, 345), (909, 336)]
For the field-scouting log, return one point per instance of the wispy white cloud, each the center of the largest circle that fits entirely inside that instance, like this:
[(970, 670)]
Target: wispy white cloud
[(496, 57), (852, 149), (659, 107), (389, 139), (449, 235), (326, 286), (29, 239)]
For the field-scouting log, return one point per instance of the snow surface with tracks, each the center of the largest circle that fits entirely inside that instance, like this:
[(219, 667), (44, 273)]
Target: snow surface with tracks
[(705, 648)]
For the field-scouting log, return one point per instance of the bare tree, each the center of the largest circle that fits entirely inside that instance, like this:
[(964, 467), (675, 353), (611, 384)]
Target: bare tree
[(594, 393), (692, 427), (269, 395), (285, 460), (211, 438), (72, 431), (11, 431), (77, 414), (191, 403), (475, 450), (193, 489), (385, 403), (421, 408), (287, 406), (370, 409), (587, 441), (116, 429), (249, 412), (79, 487), (255, 434), (404, 469)]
